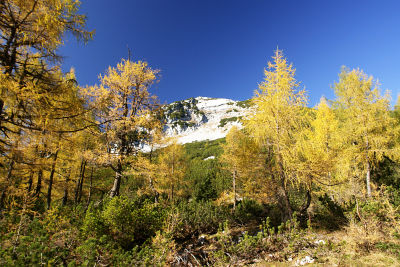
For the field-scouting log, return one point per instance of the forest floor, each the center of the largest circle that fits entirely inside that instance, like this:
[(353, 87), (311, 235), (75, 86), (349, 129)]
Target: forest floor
[(344, 247)]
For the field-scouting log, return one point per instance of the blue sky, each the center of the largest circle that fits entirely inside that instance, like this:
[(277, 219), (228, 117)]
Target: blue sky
[(219, 48)]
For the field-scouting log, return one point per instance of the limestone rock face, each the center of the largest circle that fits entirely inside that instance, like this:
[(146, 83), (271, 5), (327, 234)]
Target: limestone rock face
[(203, 118)]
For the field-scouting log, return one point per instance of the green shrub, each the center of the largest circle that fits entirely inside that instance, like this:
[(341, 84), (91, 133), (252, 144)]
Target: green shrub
[(328, 213), (288, 239), (224, 121), (196, 218), (128, 221), (247, 210), (393, 195), (30, 246), (204, 149), (245, 103), (389, 247), (93, 223)]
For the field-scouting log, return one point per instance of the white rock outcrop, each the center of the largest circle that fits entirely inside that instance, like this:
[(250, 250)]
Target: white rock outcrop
[(202, 118)]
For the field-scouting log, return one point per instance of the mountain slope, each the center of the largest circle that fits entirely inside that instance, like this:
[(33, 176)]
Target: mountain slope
[(203, 118)]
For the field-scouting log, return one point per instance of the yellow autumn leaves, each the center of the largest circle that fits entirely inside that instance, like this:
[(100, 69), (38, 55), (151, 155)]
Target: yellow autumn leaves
[(330, 149)]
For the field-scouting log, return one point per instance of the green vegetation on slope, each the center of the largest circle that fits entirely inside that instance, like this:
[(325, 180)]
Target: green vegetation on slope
[(224, 121)]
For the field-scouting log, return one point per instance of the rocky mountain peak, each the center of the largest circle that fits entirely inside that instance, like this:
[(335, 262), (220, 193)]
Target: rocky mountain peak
[(203, 118)]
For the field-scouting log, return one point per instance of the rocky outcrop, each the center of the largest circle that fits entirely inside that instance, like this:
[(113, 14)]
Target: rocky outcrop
[(203, 118)]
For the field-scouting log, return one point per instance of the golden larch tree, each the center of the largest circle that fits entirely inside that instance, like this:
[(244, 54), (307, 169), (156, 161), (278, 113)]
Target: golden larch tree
[(367, 127), (171, 169), (243, 158), (278, 116), (123, 107)]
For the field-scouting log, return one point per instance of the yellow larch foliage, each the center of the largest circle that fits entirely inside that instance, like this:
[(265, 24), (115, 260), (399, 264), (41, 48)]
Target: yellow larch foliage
[(171, 170), (318, 149), (243, 158), (123, 107), (366, 125), (277, 119)]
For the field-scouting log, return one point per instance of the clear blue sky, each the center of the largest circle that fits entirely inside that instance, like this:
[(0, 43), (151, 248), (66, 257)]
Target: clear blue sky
[(219, 48)]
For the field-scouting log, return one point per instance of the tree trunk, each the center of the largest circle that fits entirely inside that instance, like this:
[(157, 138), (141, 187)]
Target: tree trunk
[(90, 189), (39, 183), (30, 182), (172, 180), (117, 181), (285, 202), (78, 182), (65, 197), (368, 175), (234, 189), (51, 178), (368, 178), (2, 199), (10, 169), (153, 189), (8, 182), (81, 181), (284, 196), (304, 215), (156, 194), (77, 188), (307, 203)]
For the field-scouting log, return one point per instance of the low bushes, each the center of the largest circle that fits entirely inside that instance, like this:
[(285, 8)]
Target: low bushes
[(194, 218), (127, 221)]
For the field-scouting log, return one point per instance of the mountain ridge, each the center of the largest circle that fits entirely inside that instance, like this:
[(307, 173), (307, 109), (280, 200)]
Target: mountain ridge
[(203, 118)]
